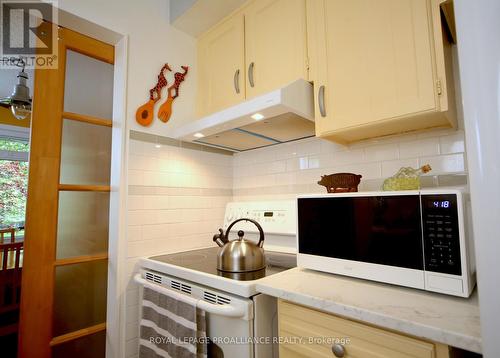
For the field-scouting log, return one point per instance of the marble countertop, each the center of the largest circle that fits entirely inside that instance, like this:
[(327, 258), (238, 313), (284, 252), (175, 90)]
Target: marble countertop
[(450, 320)]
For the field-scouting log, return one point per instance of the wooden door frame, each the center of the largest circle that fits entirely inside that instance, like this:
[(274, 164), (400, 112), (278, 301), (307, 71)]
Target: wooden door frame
[(46, 170)]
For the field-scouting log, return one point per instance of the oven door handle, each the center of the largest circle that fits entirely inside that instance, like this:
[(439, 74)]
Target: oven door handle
[(221, 310)]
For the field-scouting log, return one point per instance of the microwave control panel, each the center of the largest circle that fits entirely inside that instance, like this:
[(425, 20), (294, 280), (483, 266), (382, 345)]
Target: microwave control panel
[(441, 233)]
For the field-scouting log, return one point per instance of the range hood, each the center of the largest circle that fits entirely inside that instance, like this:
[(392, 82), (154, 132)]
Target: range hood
[(283, 115)]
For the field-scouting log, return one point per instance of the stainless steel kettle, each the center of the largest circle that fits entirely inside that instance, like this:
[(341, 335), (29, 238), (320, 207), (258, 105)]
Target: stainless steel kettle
[(240, 255)]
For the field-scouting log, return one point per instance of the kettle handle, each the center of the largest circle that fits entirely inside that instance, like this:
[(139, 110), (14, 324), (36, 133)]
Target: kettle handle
[(261, 237), (220, 239)]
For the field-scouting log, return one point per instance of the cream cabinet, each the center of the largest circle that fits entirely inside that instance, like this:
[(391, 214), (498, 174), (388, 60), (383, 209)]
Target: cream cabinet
[(261, 47), (221, 66), (379, 67), (275, 44), (305, 332)]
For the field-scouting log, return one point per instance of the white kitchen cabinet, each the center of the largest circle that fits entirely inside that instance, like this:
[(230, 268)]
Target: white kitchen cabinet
[(275, 44), (259, 48), (379, 67), (221, 66)]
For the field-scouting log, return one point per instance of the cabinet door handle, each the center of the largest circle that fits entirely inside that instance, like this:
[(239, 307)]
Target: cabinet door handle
[(321, 101), (250, 74), (237, 81), (338, 350)]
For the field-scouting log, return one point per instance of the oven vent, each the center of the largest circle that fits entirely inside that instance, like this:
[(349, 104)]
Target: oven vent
[(152, 277), (210, 297), (186, 289), (180, 287), (216, 299), (221, 300)]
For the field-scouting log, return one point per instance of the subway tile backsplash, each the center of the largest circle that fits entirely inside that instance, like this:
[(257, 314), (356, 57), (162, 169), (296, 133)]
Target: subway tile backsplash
[(261, 173), (176, 200)]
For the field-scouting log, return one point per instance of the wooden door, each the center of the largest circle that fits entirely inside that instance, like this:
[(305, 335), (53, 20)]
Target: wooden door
[(275, 44), (63, 299), (376, 60), (221, 66)]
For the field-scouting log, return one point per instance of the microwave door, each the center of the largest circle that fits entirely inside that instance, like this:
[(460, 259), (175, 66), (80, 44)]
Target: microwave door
[(383, 230)]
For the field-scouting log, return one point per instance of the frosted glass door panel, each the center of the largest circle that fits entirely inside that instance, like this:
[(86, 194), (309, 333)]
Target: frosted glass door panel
[(85, 154), (82, 227), (88, 88), (79, 296), (93, 346)]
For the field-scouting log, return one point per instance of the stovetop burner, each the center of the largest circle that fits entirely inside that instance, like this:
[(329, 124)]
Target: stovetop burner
[(205, 260)]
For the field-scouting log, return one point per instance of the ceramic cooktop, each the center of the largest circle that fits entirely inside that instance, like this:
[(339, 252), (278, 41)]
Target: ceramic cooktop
[(205, 260)]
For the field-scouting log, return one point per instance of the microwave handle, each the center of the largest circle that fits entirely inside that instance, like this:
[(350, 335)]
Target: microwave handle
[(221, 310)]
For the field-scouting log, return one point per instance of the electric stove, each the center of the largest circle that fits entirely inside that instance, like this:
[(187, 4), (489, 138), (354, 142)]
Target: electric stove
[(232, 305), (278, 220)]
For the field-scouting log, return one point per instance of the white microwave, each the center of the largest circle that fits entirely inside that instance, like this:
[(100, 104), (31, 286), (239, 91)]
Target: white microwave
[(420, 239)]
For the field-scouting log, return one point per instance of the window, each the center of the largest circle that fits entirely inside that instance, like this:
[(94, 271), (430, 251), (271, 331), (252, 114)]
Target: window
[(13, 182)]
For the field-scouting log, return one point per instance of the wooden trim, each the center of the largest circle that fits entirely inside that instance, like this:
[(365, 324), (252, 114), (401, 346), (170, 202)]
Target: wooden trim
[(9, 329), (77, 334), (11, 231), (37, 290), (81, 259), (88, 119), (87, 46), (73, 187), (8, 308)]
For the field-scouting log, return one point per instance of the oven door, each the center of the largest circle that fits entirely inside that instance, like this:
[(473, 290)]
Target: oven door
[(229, 318), (370, 236), (229, 336)]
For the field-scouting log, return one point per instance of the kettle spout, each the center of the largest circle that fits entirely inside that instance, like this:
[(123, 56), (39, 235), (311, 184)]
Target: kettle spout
[(220, 239)]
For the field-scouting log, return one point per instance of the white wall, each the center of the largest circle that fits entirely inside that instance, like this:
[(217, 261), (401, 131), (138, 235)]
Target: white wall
[(152, 42), (478, 27)]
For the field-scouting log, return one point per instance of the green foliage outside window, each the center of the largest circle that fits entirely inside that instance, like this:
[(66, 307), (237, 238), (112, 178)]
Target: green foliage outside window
[(14, 145), (13, 185)]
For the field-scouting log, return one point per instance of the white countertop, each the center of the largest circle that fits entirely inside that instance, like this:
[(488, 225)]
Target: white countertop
[(450, 320)]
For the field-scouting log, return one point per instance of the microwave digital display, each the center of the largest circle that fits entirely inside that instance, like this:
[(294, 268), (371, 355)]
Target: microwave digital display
[(443, 204)]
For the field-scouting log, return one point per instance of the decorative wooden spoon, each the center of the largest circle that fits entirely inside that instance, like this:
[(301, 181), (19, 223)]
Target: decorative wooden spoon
[(145, 113), (165, 110)]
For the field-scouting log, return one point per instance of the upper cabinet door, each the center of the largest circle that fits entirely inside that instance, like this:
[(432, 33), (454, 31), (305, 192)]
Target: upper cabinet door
[(221, 77), (275, 44), (377, 62)]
